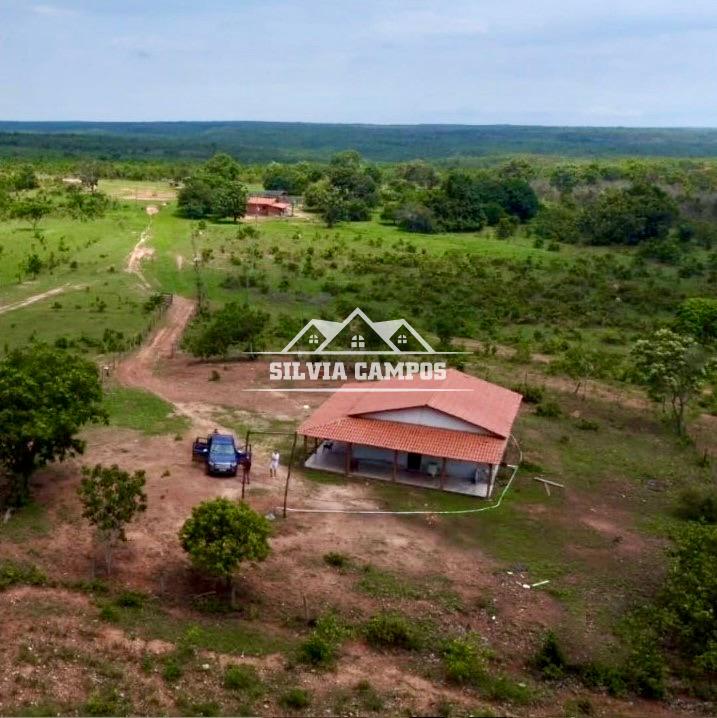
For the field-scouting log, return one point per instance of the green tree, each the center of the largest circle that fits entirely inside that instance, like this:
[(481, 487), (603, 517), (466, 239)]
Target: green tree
[(565, 178), (111, 498), (577, 363), (221, 534), (234, 326), (89, 174), (46, 396), (32, 265), (673, 368), (630, 216), (230, 200), (24, 178), (32, 209), (195, 198), (698, 317), (688, 601)]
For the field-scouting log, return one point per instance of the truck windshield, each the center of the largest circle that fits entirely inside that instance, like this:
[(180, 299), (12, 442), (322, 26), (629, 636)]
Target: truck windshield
[(222, 450)]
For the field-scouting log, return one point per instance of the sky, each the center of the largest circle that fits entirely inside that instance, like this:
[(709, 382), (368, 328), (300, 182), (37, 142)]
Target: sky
[(535, 62)]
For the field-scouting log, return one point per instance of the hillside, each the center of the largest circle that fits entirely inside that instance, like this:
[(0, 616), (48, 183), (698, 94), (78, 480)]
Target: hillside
[(292, 141)]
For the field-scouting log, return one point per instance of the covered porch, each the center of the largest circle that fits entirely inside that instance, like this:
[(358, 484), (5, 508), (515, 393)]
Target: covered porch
[(412, 469)]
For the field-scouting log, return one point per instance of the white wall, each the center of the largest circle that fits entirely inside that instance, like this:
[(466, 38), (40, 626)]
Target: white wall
[(425, 416)]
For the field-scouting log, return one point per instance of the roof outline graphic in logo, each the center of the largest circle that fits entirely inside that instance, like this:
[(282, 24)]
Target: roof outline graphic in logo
[(327, 331)]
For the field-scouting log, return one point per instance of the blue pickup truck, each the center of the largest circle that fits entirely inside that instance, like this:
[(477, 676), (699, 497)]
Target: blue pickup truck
[(219, 454)]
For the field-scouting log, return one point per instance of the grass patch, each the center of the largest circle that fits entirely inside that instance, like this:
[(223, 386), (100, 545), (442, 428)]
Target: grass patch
[(392, 630), (321, 647), (20, 574), (379, 583), (295, 699), (142, 411), (224, 635), (244, 679), (465, 663), (26, 523)]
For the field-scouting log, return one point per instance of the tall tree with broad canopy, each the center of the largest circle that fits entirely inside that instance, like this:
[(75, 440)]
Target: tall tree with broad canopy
[(221, 534), (673, 368), (46, 396), (111, 498)]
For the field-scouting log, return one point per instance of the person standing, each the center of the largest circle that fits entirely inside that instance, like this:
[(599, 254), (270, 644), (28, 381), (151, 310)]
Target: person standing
[(274, 464)]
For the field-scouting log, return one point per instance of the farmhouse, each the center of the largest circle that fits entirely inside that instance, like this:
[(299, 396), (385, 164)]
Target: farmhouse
[(267, 207), (450, 434)]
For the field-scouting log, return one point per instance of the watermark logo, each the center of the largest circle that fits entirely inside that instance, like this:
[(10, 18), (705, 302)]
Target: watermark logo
[(358, 337), (358, 334)]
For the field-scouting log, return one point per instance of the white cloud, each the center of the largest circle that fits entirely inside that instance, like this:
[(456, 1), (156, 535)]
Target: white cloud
[(423, 23), (51, 10)]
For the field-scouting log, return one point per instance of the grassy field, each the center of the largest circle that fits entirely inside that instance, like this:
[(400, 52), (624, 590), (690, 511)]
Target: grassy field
[(508, 291)]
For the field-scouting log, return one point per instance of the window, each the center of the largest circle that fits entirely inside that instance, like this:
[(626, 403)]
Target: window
[(402, 339), (357, 342), (313, 339)]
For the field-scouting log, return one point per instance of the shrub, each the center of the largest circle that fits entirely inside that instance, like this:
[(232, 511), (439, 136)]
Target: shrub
[(462, 662), (295, 698), (172, 670), (242, 678), (548, 409), (587, 425), (697, 505), (369, 697), (550, 661), (106, 702), (131, 599), (392, 630), (321, 647), (532, 394), (317, 650), (337, 560), (12, 574)]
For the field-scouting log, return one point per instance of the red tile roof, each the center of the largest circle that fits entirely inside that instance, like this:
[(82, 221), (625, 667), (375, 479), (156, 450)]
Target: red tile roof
[(478, 402), (268, 202)]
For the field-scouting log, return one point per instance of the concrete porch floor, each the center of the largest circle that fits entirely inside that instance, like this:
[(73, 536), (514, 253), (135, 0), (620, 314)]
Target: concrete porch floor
[(335, 462)]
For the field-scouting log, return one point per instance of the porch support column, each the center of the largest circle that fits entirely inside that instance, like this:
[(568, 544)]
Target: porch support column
[(306, 444), (348, 459), (443, 472), (395, 464)]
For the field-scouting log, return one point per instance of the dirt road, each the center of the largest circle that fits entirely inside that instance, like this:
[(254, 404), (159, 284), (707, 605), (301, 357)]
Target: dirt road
[(34, 298)]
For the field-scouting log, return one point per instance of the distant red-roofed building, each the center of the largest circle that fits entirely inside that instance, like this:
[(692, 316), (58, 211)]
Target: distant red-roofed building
[(450, 434), (267, 207)]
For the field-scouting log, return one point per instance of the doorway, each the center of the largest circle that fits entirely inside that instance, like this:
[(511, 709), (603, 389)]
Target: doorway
[(413, 462)]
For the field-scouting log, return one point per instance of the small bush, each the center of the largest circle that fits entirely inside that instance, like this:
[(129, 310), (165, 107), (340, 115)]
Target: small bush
[(109, 613), (295, 699), (242, 678), (172, 670), (392, 630), (337, 560), (215, 375), (12, 574), (587, 425), (131, 599), (106, 702), (462, 662), (369, 697), (317, 650), (532, 394), (596, 675), (548, 409), (697, 505), (550, 661), (321, 647)]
